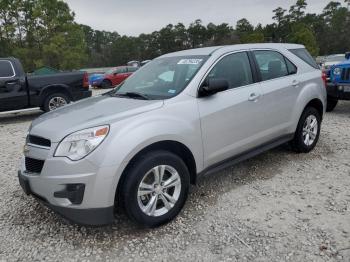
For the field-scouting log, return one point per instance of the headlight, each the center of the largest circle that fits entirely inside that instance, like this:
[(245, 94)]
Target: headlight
[(78, 145), (337, 71)]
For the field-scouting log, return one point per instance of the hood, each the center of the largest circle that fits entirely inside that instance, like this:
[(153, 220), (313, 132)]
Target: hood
[(90, 112), (344, 63)]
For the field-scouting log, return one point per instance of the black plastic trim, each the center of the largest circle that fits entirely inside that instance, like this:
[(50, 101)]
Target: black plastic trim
[(245, 155), (334, 92), (88, 217)]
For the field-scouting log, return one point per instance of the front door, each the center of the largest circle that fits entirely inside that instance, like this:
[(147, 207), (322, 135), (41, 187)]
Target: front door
[(13, 93)]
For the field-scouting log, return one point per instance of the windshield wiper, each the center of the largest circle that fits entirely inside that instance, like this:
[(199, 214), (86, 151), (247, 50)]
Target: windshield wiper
[(132, 95)]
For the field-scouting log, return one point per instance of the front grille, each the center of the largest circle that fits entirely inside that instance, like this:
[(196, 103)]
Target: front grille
[(37, 140), (34, 165), (345, 74)]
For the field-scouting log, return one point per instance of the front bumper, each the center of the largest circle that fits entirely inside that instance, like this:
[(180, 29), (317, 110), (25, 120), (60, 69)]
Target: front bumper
[(89, 216), (81, 191), (339, 91)]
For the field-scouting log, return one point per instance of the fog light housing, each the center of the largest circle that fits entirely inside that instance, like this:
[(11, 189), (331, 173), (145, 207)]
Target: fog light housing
[(73, 192)]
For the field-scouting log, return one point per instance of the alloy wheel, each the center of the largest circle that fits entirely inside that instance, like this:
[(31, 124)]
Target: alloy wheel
[(159, 190), (310, 130), (56, 102)]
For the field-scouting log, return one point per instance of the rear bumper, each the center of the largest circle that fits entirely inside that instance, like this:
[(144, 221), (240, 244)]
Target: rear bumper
[(81, 94), (338, 91), (86, 216)]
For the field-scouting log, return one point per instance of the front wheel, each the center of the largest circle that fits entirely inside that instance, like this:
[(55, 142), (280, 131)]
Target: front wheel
[(308, 131), (155, 188), (331, 104), (54, 101)]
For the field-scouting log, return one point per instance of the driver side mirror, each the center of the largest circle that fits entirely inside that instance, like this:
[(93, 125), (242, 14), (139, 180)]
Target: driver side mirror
[(347, 55), (212, 86)]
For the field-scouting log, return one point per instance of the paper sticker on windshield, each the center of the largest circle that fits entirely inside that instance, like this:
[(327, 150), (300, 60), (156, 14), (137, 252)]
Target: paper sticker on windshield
[(190, 61), (171, 91)]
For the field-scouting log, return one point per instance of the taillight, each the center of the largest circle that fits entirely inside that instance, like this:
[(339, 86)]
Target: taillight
[(86, 80), (324, 78)]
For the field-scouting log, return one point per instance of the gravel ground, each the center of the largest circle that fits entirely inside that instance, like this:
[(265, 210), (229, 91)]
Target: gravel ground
[(279, 206)]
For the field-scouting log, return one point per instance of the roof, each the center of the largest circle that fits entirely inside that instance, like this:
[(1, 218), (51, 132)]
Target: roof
[(210, 50)]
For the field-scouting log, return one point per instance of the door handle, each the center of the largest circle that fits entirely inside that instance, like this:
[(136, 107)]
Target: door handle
[(295, 83), (253, 97)]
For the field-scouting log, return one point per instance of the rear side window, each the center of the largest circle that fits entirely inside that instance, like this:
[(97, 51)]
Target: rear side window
[(304, 55), (292, 69), (6, 69), (234, 68), (271, 64)]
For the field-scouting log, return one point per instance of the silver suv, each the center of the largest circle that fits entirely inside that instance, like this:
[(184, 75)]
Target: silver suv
[(185, 114)]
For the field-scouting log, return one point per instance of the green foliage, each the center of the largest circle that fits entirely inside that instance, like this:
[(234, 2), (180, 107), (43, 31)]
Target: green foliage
[(44, 33), (41, 32), (301, 34)]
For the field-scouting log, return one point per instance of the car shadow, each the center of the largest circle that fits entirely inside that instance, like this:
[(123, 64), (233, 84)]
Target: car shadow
[(343, 109)]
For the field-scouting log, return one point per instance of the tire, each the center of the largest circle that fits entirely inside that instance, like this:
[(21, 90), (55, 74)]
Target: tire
[(300, 144), (49, 102), (141, 171), (331, 104), (106, 84)]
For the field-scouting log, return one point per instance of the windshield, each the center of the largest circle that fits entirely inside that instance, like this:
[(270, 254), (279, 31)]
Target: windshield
[(162, 78)]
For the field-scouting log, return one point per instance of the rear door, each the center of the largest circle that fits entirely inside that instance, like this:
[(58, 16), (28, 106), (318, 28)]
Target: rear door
[(231, 120), (13, 93), (280, 87)]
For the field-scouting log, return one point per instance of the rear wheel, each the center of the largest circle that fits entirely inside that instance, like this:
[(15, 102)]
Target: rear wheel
[(156, 188), (54, 101), (106, 84), (308, 131), (331, 104)]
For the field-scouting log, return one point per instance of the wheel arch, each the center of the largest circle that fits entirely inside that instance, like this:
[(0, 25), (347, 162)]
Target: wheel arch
[(317, 104), (48, 90), (172, 146)]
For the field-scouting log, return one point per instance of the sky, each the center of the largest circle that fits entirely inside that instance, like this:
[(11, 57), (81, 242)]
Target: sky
[(133, 17)]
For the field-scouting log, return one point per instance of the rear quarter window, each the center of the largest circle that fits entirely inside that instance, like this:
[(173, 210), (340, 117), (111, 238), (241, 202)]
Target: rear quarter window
[(304, 55), (6, 69)]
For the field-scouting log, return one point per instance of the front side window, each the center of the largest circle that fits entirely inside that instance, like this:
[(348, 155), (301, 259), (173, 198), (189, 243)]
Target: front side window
[(120, 70), (271, 64), (234, 68), (162, 78), (6, 69)]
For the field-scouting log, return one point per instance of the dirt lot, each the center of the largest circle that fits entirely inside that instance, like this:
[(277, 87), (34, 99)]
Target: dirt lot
[(279, 206)]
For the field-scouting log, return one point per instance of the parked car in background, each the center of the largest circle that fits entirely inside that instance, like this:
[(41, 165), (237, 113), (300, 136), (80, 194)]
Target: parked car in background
[(134, 63), (329, 61), (339, 86), (45, 70), (183, 115), (145, 62), (19, 91), (112, 77)]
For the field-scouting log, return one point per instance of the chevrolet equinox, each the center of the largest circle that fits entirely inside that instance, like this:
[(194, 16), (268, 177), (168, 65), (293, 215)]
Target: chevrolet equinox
[(140, 146)]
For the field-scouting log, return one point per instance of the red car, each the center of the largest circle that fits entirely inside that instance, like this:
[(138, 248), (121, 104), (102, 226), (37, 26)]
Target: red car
[(113, 77)]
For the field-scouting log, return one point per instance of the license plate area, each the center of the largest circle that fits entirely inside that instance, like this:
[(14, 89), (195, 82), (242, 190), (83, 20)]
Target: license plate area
[(346, 88)]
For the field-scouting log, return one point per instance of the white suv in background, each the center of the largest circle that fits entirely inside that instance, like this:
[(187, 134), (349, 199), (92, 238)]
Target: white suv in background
[(180, 116)]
